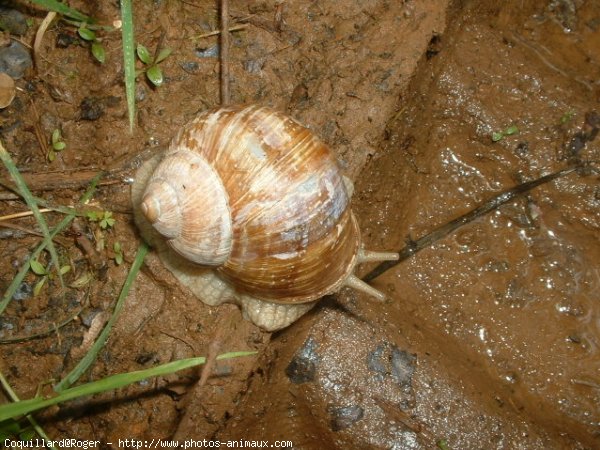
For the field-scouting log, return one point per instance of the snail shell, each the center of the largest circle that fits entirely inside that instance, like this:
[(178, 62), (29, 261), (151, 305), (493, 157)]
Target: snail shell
[(257, 197)]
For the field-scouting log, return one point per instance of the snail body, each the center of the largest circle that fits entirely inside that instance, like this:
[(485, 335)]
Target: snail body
[(248, 206)]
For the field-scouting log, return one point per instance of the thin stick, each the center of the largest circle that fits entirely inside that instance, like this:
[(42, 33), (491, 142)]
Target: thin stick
[(22, 214), (224, 52), (39, 35), (493, 203), (64, 242), (214, 33)]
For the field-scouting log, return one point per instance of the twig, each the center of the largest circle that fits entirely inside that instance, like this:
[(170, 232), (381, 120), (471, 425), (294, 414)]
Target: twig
[(224, 53), (493, 203), (39, 35), (214, 33), (39, 134), (65, 243), (95, 259), (22, 214)]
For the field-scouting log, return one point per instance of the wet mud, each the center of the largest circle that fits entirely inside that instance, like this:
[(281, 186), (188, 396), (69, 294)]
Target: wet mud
[(489, 337)]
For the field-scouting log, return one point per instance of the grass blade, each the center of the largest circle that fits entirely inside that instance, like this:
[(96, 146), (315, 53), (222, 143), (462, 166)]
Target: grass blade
[(61, 8), (15, 398), (20, 276), (91, 355), (16, 409), (128, 58), (28, 197)]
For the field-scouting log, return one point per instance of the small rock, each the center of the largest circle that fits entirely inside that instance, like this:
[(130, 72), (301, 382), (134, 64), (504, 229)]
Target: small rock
[(303, 366), (23, 292), (254, 66), (15, 60), (375, 362), (13, 21), (64, 39), (91, 108), (403, 366), (190, 67), (345, 416), (208, 52), (388, 359)]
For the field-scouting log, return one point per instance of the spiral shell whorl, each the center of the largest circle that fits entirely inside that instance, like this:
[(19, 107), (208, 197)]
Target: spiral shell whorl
[(198, 230)]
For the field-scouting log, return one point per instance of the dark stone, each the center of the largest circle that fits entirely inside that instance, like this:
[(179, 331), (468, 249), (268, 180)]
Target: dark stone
[(375, 362), (190, 66), (403, 366), (91, 108), (15, 60), (303, 366), (23, 292), (64, 39), (389, 360), (207, 52), (13, 21), (345, 416)]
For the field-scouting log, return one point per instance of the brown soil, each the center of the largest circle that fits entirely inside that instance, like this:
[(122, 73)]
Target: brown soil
[(490, 337)]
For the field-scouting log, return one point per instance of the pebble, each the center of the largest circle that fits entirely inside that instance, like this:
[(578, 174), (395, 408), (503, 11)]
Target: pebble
[(15, 60), (23, 292), (303, 366), (209, 52), (13, 21), (91, 108), (389, 360), (345, 416)]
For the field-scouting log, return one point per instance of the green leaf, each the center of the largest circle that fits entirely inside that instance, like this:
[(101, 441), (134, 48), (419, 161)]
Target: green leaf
[(496, 136), (38, 286), (86, 34), (92, 216), (56, 136), (118, 253), (144, 54), (59, 146), (37, 267), (155, 75), (107, 220), (162, 55), (65, 269), (51, 155), (511, 130), (98, 52), (566, 117)]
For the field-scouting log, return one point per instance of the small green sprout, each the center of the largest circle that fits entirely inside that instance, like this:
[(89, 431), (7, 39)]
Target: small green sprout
[(152, 70), (499, 135), (97, 48), (442, 444), (39, 269), (105, 219), (118, 253), (58, 145), (566, 117)]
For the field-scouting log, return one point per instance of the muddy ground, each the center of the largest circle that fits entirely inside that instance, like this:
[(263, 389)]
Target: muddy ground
[(490, 336)]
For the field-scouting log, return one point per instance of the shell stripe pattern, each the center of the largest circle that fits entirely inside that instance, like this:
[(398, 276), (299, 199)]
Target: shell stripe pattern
[(294, 236)]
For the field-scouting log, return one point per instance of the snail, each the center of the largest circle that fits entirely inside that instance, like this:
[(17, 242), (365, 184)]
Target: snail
[(250, 207)]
